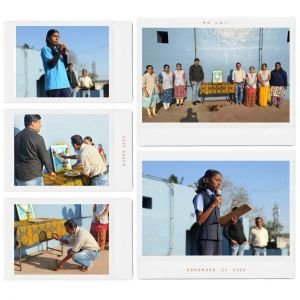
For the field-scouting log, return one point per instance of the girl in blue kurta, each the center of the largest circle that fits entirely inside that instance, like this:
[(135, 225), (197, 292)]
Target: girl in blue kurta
[(54, 56)]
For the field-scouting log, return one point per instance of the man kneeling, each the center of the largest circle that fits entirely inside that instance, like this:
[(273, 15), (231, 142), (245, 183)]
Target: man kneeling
[(84, 247)]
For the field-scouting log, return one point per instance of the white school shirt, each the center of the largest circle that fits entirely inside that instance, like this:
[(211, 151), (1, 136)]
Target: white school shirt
[(198, 201)]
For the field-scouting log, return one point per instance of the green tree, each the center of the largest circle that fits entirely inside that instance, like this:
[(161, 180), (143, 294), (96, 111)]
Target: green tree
[(173, 179), (26, 46)]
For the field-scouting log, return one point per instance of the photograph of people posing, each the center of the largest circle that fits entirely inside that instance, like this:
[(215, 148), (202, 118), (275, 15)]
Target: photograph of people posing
[(214, 81)]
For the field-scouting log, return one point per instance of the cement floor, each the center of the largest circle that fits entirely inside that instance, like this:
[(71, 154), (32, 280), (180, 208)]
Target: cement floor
[(45, 262), (227, 112)]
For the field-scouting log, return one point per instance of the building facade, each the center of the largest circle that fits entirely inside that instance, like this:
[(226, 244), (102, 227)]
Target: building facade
[(217, 49)]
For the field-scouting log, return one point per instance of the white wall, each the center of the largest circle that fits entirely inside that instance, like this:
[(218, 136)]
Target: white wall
[(29, 68), (156, 221)]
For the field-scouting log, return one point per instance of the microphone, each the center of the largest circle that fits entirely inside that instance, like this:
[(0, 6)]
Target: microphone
[(219, 193), (66, 49)]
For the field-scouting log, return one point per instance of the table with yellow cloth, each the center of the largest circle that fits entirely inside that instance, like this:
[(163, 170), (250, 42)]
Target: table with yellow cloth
[(36, 231), (63, 180), (217, 89)]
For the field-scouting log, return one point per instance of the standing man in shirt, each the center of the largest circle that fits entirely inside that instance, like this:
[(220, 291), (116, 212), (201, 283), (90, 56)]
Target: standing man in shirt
[(238, 78), (31, 154), (259, 238), (85, 84), (234, 233), (196, 77), (93, 165), (54, 57), (72, 79), (84, 247)]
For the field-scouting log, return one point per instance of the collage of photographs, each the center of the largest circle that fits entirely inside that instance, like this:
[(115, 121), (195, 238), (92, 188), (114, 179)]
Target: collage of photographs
[(202, 209)]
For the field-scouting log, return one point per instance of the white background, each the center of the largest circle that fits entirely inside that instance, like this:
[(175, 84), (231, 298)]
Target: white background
[(137, 289)]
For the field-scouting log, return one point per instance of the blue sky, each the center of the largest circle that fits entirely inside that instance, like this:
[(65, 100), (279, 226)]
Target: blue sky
[(89, 43), (266, 181)]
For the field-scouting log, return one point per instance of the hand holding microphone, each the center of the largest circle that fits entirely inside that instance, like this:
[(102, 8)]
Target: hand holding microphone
[(218, 199), (62, 48)]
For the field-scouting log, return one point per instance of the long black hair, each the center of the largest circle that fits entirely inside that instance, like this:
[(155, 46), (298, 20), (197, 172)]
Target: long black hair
[(202, 184), (49, 34)]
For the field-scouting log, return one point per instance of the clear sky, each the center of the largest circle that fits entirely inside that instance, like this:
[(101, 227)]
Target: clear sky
[(266, 181), (88, 43)]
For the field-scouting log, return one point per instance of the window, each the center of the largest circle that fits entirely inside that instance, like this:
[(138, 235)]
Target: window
[(147, 202), (162, 37)]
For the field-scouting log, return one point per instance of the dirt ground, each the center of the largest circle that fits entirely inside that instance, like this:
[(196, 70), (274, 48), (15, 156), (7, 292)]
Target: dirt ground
[(226, 112), (44, 263)]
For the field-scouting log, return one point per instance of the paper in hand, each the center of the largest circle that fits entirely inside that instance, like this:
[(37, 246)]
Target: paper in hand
[(243, 209)]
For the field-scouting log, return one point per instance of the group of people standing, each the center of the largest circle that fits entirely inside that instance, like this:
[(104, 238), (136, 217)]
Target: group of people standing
[(31, 156), (60, 82), (169, 85), (209, 232), (271, 85)]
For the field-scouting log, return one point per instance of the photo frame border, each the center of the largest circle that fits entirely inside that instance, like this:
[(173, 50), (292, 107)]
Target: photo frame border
[(232, 133), (192, 267), (120, 243), (120, 53), (120, 150)]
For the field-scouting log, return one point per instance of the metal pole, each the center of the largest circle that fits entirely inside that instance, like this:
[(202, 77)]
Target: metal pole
[(195, 42), (20, 259), (26, 71), (172, 219), (260, 46)]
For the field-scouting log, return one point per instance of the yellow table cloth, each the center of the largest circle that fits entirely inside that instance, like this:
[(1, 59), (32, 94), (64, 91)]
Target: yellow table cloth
[(30, 233), (63, 180), (220, 88)]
